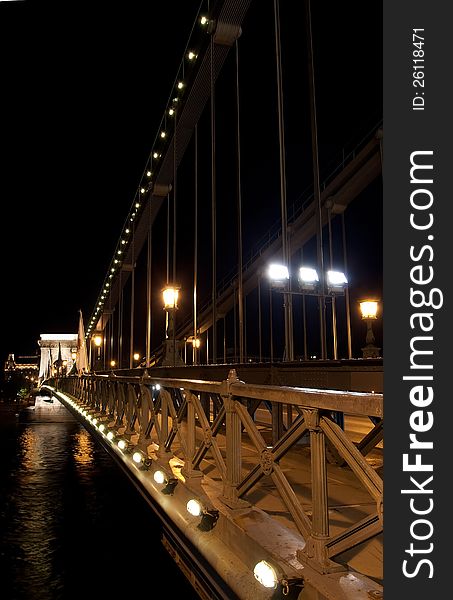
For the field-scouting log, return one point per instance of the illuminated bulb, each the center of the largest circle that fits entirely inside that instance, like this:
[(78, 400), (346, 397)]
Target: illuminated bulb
[(94, 421), (204, 20), (278, 272), (119, 252), (110, 435), (122, 444), (123, 241), (137, 205), (113, 270), (142, 190), (336, 278), (180, 85), (101, 427), (162, 134), (110, 276), (148, 173), (265, 574), (157, 386), (116, 261), (194, 508), (308, 275), (127, 230), (171, 112), (191, 55), (137, 457), (156, 154), (159, 477), (369, 308)]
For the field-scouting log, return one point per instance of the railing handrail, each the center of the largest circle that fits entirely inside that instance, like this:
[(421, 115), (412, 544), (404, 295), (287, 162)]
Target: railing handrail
[(359, 403)]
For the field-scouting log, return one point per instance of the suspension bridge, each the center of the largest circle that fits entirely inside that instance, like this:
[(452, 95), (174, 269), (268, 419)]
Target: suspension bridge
[(244, 407)]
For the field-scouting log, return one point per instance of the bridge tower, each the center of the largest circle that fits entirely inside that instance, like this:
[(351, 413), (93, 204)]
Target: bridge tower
[(50, 344)]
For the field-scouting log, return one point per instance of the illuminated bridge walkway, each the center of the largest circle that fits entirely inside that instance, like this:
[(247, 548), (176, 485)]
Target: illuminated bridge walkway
[(249, 478)]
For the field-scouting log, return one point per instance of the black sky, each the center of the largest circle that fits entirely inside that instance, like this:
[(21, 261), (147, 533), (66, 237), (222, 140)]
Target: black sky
[(84, 87)]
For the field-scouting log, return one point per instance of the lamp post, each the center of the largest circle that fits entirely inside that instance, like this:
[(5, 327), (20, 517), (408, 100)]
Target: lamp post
[(309, 285), (279, 278), (97, 339), (171, 350), (369, 309), (196, 343)]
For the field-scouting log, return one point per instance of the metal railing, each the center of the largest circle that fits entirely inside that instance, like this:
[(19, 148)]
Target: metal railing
[(209, 424)]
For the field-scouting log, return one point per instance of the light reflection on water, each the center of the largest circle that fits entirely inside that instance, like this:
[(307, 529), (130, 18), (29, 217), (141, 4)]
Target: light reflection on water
[(64, 510)]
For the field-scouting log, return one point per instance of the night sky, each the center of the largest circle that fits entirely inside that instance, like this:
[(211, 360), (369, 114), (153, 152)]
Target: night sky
[(84, 87)]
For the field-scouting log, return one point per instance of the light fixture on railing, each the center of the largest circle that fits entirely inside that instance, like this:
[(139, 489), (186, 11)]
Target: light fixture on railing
[(209, 516), (265, 573), (159, 476), (170, 482), (141, 459), (122, 444), (194, 507), (209, 519)]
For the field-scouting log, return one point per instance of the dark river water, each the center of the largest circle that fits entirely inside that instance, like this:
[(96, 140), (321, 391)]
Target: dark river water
[(71, 524)]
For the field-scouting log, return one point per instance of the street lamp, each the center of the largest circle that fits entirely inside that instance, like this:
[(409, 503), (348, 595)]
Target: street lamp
[(97, 339), (309, 284), (369, 309), (279, 278), (170, 295)]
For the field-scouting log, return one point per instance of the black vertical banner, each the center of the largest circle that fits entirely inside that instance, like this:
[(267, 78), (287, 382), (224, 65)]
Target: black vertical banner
[(418, 249)]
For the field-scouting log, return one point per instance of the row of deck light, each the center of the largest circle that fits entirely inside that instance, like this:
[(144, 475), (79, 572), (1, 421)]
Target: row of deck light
[(144, 187), (263, 571)]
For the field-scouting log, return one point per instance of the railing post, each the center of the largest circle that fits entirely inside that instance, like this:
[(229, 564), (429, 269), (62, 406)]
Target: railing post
[(233, 447), (163, 454), (315, 550), (130, 410), (188, 471)]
